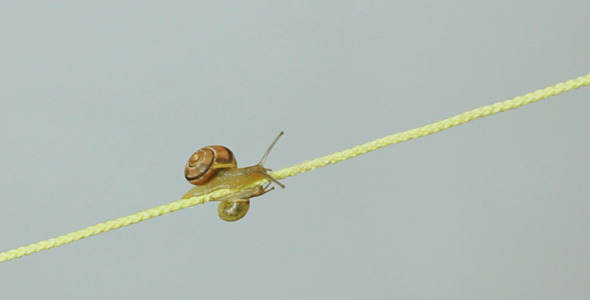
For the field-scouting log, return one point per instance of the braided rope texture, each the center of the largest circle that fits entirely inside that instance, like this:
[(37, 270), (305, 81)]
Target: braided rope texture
[(302, 167)]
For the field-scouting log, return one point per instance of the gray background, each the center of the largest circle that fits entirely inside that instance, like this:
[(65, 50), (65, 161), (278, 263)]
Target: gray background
[(102, 102)]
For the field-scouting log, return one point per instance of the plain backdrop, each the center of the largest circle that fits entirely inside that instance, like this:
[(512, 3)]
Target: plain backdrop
[(102, 103)]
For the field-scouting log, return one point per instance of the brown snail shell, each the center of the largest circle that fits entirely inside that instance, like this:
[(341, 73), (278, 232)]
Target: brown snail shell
[(206, 162)]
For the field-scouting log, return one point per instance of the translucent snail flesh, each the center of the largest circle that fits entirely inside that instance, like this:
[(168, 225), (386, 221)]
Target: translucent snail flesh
[(215, 167)]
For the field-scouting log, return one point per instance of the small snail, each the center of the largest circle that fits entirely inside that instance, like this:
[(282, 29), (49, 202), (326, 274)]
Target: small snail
[(215, 167)]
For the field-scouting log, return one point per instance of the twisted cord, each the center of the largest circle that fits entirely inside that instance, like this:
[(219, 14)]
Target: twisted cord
[(301, 168)]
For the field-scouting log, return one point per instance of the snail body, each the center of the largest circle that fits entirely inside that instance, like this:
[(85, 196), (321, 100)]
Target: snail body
[(215, 167)]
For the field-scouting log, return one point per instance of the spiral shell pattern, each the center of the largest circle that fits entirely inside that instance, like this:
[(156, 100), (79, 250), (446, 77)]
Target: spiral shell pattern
[(206, 162), (233, 210)]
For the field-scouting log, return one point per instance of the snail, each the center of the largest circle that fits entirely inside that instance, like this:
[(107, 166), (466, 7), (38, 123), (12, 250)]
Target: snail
[(215, 167)]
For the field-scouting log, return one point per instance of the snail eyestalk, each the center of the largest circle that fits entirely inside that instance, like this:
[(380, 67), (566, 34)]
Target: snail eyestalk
[(269, 148)]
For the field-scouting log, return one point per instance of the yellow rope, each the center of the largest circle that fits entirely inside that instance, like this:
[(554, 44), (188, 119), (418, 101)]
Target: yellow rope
[(302, 167), (434, 127)]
